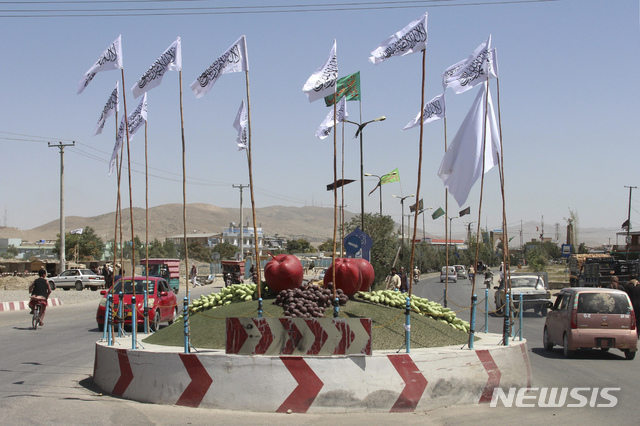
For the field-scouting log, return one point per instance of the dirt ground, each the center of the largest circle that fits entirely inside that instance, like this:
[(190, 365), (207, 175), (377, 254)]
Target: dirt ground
[(15, 283)]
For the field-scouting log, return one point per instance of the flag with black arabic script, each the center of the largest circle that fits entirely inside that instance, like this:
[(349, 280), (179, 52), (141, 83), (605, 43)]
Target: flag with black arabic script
[(348, 86), (234, 59), (136, 118), (241, 126), (476, 69), (111, 106), (341, 114), (170, 60), (432, 111), (323, 81), (410, 39), (111, 59)]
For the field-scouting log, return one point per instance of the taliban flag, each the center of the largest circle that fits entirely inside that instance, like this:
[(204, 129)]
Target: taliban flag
[(323, 81), (170, 60), (410, 39), (477, 68), (393, 176), (464, 212), (341, 114), (77, 231), (136, 118), (432, 111), (420, 205), (241, 126), (234, 59), (111, 59), (108, 110), (462, 164), (438, 213), (348, 86)]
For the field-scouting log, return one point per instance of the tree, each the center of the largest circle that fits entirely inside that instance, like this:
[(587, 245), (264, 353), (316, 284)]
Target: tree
[(156, 250), (226, 250), (299, 246), (199, 252), (170, 250), (327, 245), (89, 245)]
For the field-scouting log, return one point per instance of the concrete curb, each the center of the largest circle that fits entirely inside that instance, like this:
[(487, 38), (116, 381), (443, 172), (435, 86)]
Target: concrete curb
[(20, 306), (387, 381)]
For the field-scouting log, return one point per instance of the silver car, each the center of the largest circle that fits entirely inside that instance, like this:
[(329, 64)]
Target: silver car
[(78, 279)]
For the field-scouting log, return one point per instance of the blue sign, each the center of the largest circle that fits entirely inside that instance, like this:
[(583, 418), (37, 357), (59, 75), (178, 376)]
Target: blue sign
[(358, 244), (566, 250)]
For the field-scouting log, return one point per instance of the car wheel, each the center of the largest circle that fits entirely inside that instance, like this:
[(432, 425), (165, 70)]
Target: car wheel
[(94, 288), (65, 288), (543, 311), (79, 285), (565, 349), (155, 324), (629, 354), (175, 315), (548, 345)]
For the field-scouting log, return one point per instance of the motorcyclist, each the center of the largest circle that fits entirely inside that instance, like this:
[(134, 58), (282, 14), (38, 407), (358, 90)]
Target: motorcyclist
[(40, 291), (488, 278)]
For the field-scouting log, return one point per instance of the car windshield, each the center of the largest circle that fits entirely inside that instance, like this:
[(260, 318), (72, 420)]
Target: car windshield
[(603, 303), (141, 285), (522, 282)]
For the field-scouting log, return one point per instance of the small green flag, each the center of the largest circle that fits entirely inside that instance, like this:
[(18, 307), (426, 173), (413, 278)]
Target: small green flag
[(393, 176), (348, 86), (437, 213)]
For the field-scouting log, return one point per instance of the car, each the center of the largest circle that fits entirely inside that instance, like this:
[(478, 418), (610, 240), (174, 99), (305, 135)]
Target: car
[(453, 276), (78, 279), (535, 294), (162, 301), (591, 317), (461, 271)]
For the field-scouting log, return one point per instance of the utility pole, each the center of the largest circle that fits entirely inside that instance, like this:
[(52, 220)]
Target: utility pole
[(628, 239), (62, 231), (255, 231)]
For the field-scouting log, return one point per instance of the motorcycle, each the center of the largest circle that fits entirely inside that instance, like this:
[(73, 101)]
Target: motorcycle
[(488, 278)]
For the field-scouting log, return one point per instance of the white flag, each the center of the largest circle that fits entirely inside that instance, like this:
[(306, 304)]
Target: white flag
[(341, 114), (170, 60), (108, 110), (410, 39), (433, 110), (241, 126), (323, 81), (474, 70), (77, 231), (462, 163), (136, 118), (235, 59), (111, 59)]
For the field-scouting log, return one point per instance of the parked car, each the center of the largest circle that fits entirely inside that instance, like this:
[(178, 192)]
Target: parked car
[(461, 271), (588, 317), (78, 279), (453, 276), (535, 294), (162, 301)]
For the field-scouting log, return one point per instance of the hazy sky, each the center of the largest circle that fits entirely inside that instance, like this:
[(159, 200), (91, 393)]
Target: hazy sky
[(568, 97)]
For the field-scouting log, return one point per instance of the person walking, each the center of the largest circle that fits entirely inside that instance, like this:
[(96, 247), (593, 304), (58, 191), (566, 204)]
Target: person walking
[(193, 275), (393, 281)]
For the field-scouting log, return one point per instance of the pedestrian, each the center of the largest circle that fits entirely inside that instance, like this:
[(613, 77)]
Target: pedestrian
[(393, 281), (614, 283), (193, 275)]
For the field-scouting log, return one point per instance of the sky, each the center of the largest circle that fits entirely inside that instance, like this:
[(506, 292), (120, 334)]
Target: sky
[(568, 102)]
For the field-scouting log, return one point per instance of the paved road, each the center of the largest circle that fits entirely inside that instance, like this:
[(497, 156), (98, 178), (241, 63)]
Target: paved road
[(50, 369)]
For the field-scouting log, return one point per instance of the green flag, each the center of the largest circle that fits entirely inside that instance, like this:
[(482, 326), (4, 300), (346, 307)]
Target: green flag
[(393, 176), (437, 213), (348, 86)]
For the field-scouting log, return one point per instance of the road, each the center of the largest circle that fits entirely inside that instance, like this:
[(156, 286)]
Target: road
[(45, 378)]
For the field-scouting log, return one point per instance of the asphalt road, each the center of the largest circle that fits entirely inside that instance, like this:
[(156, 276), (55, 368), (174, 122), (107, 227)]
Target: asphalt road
[(45, 378)]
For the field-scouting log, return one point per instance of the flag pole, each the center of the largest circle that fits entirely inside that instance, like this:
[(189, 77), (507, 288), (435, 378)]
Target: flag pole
[(126, 122), (253, 201), (484, 148), (415, 217), (446, 225), (342, 192), (335, 197), (115, 237), (146, 214), (184, 195)]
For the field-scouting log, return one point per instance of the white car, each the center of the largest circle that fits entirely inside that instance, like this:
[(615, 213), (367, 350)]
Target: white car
[(452, 275), (461, 271), (78, 279)]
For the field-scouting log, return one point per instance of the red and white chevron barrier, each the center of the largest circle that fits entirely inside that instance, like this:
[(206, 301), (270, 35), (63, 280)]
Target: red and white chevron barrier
[(298, 336), (387, 381), (19, 306)]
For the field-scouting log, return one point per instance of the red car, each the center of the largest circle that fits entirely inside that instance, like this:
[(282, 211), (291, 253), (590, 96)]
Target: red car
[(163, 306)]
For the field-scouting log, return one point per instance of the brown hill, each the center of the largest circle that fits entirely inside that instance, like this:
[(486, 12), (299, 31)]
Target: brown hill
[(314, 224)]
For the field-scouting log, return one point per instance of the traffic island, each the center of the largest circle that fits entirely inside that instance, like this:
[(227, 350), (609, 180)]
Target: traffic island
[(386, 381)]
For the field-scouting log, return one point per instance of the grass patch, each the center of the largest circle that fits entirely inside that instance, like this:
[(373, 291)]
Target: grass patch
[(208, 327)]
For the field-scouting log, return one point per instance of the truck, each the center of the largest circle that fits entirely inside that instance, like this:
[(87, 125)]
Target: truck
[(596, 270), (169, 269)]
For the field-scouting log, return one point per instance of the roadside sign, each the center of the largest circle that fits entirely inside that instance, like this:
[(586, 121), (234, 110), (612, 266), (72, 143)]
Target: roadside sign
[(566, 250)]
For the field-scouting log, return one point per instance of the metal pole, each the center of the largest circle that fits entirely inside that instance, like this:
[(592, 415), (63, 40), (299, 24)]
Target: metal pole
[(361, 184), (520, 315), (185, 315), (134, 322), (407, 334), (628, 222), (472, 331), (62, 253), (507, 322), (486, 310)]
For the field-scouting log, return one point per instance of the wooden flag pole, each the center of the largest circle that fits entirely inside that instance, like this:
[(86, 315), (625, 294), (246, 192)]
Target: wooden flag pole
[(342, 193), (115, 237), (184, 196), (126, 125), (253, 200), (146, 210), (335, 197), (446, 225), (415, 217)]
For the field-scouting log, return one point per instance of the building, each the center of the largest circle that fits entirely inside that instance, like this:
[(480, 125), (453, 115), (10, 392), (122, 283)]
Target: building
[(229, 235)]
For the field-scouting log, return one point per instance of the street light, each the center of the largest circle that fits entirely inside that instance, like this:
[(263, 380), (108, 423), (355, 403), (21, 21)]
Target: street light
[(402, 228), (380, 185), (469, 230), (359, 132)]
